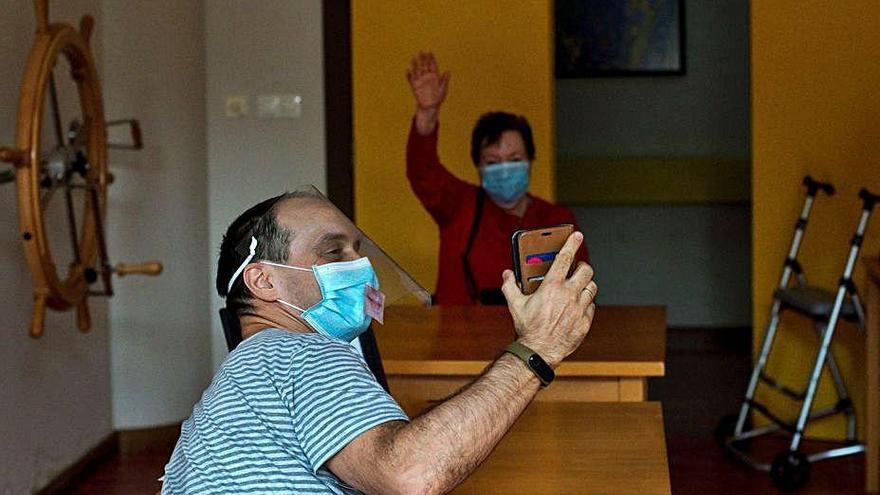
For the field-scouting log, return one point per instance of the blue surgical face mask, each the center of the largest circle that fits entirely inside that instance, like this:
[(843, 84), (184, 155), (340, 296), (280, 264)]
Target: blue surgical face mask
[(506, 182), (341, 312)]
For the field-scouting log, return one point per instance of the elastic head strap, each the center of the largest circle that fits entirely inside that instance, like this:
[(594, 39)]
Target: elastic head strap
[(252, 249), (286, 266)]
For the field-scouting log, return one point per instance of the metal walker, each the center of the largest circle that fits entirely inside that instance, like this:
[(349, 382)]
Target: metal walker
[(790, 469)]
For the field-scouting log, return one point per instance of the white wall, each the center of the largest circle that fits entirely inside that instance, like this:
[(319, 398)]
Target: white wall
[(154, 70), (55, 400), (266, 47)]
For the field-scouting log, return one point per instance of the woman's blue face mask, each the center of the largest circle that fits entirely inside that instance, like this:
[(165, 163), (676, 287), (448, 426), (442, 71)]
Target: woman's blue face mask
[(506, 182)]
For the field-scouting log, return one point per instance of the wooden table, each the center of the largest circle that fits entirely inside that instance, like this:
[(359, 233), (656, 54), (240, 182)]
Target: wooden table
[(585, 448), (872, 440), (429, 353)]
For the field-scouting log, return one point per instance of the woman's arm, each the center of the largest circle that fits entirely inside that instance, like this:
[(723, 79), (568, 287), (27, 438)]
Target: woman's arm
[(429, 89), (440, 192)]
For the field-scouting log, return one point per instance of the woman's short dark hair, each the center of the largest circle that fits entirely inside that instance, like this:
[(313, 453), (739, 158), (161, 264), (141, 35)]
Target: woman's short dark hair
[(491, 125), (273, 244)]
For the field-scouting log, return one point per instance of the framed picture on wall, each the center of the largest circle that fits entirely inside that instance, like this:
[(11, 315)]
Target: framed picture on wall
[(597, 38)]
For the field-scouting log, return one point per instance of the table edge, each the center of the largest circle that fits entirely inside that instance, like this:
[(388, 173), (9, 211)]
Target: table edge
[(582, 369)]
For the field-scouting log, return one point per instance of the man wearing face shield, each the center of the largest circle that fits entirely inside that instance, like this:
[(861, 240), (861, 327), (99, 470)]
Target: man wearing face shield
[(476, 222), (294, 408)]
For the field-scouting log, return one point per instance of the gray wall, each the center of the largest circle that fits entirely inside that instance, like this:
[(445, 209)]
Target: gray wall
[(266, 47), (154, 69), (170, 64), (55, 399), (151, 347), (694, 259), (703, 113)]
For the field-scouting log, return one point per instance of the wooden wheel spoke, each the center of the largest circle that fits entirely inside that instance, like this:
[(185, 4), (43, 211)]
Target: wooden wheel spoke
[(47, 195), (78, 132), (56, 112), (78, 139), (103, 257), (71, 219)]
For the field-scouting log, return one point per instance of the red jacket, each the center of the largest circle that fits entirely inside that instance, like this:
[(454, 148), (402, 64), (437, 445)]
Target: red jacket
[(452, 203)]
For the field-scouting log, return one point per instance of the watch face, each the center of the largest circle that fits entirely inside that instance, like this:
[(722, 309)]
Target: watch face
[(544, 371)]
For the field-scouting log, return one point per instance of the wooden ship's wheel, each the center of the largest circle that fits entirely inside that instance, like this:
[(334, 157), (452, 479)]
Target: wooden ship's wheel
[(60, 172)]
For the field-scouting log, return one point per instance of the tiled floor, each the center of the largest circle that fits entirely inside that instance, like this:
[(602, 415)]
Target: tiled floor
[(706, 375), (697, 467)]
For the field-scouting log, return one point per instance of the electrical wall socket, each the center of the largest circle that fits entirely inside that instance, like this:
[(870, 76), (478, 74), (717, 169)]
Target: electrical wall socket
[(236, 106), (279, 106)]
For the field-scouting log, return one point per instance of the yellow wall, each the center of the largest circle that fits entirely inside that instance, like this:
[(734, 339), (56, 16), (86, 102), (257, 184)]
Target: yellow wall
[(500, 57), (653, 180), (815, 106)]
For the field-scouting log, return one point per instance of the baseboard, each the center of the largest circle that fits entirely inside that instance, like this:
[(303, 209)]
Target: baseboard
[(106, 448), (124, 442), (143, 440)]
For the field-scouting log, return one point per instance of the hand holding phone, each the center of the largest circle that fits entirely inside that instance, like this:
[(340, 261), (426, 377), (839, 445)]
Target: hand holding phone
[(533, 253), (554, 319)]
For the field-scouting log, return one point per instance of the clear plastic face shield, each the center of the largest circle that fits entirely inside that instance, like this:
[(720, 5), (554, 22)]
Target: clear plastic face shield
[(397, 286)]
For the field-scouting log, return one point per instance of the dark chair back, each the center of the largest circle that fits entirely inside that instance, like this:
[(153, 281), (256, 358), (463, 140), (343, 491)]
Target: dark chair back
[(231, 329)]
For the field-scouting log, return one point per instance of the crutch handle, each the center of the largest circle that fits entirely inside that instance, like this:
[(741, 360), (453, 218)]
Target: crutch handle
[(869, 198), (814, 186)]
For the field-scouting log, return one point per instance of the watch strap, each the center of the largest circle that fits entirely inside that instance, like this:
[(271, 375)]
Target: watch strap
[(534, 362)]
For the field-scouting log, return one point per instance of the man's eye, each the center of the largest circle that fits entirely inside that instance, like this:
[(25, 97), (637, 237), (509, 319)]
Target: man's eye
[(335, 252)]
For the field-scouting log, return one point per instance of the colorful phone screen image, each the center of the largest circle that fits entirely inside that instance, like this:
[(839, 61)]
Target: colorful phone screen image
[(534, 259)]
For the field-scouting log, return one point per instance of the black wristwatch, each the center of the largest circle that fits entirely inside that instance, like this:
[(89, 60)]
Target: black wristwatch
[(534, 361)]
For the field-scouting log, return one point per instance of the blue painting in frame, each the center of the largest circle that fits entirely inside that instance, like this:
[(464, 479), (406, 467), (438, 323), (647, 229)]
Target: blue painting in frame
[(596, 38)]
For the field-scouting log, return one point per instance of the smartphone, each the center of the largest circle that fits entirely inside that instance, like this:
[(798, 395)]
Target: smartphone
[(534, 251)]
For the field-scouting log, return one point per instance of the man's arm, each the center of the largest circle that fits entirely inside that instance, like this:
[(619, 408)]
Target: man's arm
[(438, 450)]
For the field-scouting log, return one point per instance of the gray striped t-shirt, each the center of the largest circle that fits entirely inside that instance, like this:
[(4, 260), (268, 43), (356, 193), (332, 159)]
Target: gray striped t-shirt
[(278, 408)]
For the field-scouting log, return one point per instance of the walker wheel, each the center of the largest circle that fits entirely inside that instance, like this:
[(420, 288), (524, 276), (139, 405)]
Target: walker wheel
[(790, 470)]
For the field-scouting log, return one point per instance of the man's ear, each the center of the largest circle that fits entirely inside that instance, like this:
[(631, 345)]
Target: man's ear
[(258, 279)]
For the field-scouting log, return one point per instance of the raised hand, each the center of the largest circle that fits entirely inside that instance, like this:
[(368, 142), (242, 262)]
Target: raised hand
[(555, 319), (427, 83)]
